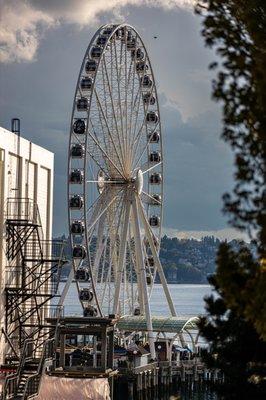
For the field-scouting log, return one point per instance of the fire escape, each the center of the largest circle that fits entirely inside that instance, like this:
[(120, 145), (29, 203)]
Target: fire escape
[(32, 277)]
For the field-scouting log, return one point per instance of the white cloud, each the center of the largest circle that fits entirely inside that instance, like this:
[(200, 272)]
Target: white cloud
[(23, 22)]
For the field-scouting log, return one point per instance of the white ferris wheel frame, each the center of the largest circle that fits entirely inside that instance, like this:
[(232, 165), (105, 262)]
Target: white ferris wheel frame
[(135, 218)]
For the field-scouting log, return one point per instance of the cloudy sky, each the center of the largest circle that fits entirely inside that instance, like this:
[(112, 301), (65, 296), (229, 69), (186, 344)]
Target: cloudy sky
[(42, 43)]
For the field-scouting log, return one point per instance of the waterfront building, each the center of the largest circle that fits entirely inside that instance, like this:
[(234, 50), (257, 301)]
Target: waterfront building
[(26, 172)]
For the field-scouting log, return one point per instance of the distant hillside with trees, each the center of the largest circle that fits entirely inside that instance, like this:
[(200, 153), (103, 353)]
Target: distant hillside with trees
[(183, 260)]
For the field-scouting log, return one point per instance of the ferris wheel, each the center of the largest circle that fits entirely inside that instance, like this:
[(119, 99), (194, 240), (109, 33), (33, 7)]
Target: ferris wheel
[(115, 183)]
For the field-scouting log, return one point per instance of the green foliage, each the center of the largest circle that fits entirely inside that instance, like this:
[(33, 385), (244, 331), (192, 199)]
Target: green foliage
[(235, 325), (237, 30), (235, 346)]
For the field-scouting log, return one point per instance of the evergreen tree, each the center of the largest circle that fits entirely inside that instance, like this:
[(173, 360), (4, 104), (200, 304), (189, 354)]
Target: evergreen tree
[(235, 325)]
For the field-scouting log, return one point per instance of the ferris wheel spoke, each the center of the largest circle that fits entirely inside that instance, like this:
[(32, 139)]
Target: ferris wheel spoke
[(95, 220), (127, 90), (97, 146), (95, 207), (133, 270), (113, 108), (99, 246), (118, 77), (136, 119), (105, 154), (147, 197), (116, 215), (102, 248), (137, 137), (131, 109), (108, 130), (149, 234), (143, 152), (147, 167), (111, 253), (122, 255), (139, 96), (141, 268)]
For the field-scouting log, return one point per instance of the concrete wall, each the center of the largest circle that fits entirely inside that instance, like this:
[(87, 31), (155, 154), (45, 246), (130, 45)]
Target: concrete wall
[(26, 170)]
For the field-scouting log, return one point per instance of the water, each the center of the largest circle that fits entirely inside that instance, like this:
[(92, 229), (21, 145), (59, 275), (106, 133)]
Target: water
[(188, 299)]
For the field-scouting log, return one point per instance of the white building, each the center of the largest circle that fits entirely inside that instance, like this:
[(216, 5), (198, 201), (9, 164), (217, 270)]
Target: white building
[(26, 171)]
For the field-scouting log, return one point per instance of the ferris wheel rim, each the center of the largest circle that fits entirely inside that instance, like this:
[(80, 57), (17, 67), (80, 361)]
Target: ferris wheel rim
[(86, 139)]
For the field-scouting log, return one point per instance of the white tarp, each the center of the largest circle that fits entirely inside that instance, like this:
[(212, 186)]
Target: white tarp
[(56, 388)]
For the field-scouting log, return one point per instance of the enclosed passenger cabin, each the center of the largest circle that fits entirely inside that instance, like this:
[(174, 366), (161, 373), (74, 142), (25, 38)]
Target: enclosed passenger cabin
[(85, 294), (118, 33), (141, 66), (131, 43), (107, 31), (138, 54), (76, 176), (150, 261), (82, 275), (102, 40), (148, 98), (152, 117), (76, 202), (82, 104), (137, 311), (154, 137), (77, 151), (79, 251), (154, 221), (86, 84), (148, 279), (90, 66), (79, 126), (90, 311), (155, 178), (146, 82), (77, 227), (155, 157), (125, 35), (155, 242), (96, 52), (156, 200)]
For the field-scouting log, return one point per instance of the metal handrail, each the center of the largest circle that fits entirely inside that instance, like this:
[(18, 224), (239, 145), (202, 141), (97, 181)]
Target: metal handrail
[(32, 384), (12, 381)]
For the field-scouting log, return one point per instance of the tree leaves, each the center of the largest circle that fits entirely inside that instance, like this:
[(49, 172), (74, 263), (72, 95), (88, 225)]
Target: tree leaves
[(235, 325)]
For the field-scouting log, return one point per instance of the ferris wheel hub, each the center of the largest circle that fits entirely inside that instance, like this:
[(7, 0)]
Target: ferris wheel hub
[(139, 182), (101, 181)]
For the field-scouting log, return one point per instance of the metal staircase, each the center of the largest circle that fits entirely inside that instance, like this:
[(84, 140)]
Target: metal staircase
[(32, 277), (25, 383)]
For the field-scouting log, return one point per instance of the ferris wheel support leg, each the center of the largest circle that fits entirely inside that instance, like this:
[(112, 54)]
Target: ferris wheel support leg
[(66, 287), (122, 256), (159, 266), (99, 244), (141, 267), (157, 260), (140, 294)]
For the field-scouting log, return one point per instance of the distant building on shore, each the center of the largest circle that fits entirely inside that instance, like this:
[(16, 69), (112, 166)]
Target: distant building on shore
[(26, 172)]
